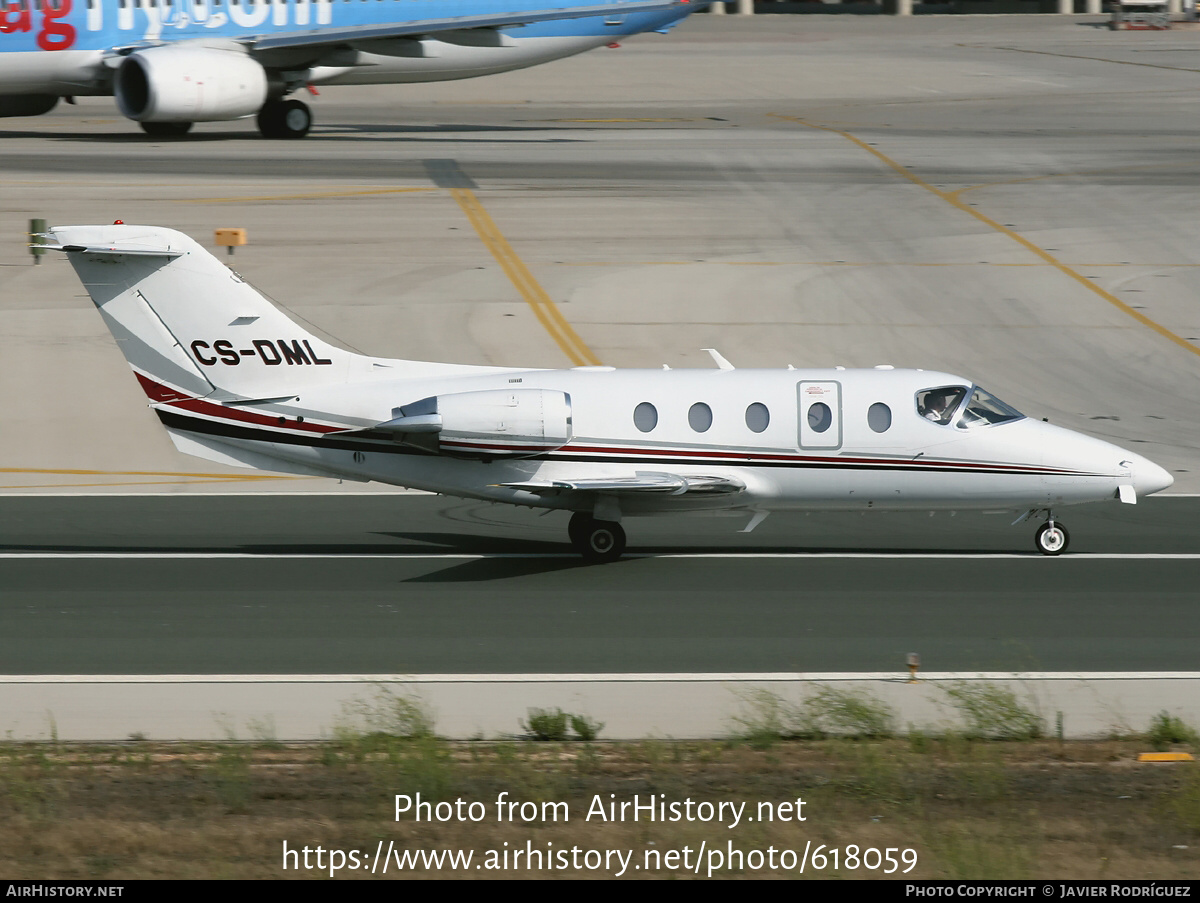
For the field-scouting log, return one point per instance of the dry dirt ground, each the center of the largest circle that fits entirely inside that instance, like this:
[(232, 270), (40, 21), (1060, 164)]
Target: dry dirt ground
[(957, 808)]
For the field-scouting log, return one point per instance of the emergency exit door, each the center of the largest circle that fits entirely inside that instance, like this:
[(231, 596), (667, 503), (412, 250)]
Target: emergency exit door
[(820, 409)]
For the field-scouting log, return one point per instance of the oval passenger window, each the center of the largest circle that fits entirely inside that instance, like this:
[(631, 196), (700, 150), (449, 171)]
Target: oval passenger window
[(879, 417), (758, 418), (645, 417)]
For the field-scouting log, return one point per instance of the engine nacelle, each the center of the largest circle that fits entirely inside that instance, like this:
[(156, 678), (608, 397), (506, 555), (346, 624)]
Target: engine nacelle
[(488, 423), (173, 83)]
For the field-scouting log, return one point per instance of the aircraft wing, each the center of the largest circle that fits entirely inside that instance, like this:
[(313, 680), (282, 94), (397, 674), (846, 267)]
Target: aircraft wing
[(640, 482), (317, 38)]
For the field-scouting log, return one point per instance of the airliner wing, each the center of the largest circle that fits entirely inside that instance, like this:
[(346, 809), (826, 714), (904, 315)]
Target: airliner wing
[(640, 482), (324, 37)]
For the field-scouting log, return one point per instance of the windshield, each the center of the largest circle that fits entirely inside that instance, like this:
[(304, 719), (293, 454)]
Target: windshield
[(940, 404), (985, 409)]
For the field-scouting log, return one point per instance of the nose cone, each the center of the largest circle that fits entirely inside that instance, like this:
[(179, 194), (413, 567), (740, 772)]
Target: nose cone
[(1148, 477)]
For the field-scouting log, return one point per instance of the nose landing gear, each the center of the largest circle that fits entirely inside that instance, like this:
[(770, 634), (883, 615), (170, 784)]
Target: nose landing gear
[(1052, 538)]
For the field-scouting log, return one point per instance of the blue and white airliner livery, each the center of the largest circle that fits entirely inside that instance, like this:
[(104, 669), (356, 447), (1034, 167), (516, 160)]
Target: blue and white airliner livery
[(171, 63), (235, 380)]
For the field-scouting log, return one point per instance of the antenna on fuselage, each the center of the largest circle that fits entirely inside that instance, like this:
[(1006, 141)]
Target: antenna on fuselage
[(717, 357)]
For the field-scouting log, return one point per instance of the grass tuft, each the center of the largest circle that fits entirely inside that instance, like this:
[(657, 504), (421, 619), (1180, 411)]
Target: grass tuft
[(546, 724), (1166, 730), (766, 717), (993, 712)]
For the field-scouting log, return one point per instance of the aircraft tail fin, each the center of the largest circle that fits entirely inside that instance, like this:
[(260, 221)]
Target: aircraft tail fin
[(189, 325)]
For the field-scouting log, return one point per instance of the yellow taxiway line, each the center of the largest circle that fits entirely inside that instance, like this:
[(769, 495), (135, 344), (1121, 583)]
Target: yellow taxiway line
[(952, 198), (535, 296), (177, 477)]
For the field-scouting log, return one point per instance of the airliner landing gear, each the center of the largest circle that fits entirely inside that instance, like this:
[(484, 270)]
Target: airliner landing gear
[(284, 119), (166, 129), (1052, 538), (597, 540)]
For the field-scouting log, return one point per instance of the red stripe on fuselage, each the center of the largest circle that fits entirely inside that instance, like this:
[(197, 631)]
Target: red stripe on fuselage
[(157, 392), (751, 458)]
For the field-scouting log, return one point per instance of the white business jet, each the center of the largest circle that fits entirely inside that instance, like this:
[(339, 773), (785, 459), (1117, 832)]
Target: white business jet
[(171, 63), (235, 380)]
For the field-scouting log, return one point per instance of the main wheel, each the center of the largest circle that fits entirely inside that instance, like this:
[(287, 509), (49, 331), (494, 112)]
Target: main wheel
[(284, 119), (597, 540), (166, 129), (577, 529), (1052, 539)]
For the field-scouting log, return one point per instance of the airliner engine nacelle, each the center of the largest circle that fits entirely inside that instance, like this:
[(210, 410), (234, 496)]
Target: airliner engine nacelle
[(493, 422), (27, 104), (173, 83)]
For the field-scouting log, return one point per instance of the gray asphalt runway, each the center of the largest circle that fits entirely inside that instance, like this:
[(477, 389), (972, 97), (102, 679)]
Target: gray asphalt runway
[(420, 584)]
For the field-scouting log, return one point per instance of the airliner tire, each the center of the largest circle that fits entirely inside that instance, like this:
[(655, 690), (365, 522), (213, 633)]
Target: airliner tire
[(166, 129), (598, 541), (1052, 539), (287, 119)]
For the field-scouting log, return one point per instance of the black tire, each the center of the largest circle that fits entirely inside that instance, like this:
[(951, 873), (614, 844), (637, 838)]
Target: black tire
[(577, 529), (166, 129), (1052, 540), (286, 119), (602, 541)]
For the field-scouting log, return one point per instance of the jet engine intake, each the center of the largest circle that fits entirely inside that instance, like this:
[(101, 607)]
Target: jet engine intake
[(488, 423), (174, 83)]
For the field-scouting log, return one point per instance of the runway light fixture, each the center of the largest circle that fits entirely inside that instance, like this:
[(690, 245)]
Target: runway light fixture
[(37, 239), (914, 665), (230, 238)]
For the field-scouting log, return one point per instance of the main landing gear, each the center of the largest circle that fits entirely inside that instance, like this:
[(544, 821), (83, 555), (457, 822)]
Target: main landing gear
[(284, 119), (597, 540), (1052, 537)]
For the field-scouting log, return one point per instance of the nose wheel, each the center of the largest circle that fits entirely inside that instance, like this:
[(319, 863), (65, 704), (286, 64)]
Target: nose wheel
[(596, 540), (1052, 538)]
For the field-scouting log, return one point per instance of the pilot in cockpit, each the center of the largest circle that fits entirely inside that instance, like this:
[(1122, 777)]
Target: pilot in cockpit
[(935, 408), (938, 405)]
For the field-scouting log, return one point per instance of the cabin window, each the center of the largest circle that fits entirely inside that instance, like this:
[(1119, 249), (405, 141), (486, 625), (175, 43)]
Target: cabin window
[(700, 417), (758, 418), (985, 409), (820, 417), (645, 417), (879, 417), (940, 404)]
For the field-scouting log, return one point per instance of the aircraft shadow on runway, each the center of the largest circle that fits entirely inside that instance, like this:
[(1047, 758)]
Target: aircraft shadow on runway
[(340, 132)]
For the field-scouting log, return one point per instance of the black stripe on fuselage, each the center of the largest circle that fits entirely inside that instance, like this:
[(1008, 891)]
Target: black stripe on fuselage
[(226, 430)]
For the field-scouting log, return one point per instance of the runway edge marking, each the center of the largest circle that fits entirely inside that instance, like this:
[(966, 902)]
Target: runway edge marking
[(684, 677)]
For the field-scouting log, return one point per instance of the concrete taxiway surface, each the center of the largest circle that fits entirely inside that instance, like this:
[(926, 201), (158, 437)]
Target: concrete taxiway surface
[(1009, 198)]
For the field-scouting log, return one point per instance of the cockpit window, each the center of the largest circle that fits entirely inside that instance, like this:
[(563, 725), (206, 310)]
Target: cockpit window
[(940, 404), (985, 409)]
